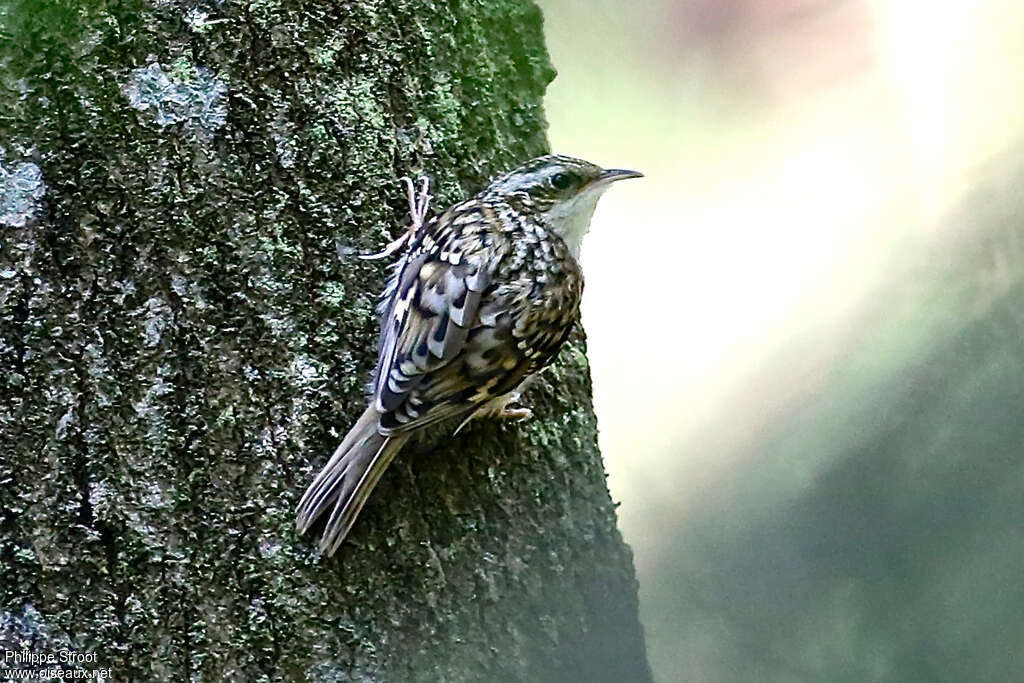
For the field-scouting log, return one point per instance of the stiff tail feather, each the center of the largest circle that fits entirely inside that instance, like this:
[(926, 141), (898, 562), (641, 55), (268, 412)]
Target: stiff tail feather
[(345, 482)]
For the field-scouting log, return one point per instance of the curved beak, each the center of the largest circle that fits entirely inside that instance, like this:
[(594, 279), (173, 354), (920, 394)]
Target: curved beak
[(610, 175)]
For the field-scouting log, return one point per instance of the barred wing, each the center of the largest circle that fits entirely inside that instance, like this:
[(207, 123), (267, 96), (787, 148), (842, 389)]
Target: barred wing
[(453, 339)]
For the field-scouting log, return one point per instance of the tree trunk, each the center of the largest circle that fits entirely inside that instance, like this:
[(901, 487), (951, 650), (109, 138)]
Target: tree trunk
[(185, 334)]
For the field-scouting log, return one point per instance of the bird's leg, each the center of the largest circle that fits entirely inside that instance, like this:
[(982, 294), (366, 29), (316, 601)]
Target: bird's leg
[(418, 205), (498, 408), (504, 410)]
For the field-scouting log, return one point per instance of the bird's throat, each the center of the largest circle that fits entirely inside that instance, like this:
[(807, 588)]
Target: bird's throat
[(571, 219)]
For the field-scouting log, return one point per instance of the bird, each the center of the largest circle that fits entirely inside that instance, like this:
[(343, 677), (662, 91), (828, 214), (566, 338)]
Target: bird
[(483, 298)]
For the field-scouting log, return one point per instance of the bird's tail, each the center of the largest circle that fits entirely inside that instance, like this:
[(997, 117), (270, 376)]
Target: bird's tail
[(347, 479)]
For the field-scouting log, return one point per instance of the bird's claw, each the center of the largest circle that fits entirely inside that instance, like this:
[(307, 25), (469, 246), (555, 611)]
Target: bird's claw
[(504, 408), (390, 249), (499, 409), (419, 203), (515, 414)]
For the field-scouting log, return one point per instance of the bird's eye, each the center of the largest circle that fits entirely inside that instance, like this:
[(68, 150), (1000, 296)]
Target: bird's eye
[(561, 181)]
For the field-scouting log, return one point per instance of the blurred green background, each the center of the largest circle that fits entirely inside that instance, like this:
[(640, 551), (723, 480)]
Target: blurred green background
[(806, 327)]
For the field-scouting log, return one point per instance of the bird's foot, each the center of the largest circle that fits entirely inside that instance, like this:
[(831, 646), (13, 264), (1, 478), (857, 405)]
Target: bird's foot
[(502, 408), (499, 408), (515, 414), (419, 203)]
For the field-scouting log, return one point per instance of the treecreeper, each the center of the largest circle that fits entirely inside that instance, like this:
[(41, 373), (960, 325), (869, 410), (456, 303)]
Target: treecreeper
[(485, 295)]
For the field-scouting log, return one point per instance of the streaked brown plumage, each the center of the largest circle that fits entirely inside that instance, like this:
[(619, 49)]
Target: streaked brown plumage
[(484, 297)]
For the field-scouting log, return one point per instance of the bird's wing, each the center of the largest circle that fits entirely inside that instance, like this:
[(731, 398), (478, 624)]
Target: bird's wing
[(456, 331), (515, 337), (431, 306)]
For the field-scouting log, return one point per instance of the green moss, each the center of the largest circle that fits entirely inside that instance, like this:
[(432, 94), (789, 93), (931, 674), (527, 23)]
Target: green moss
[(182, 70)]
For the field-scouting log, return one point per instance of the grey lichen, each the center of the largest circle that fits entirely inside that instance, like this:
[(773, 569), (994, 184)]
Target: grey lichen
[(21, 192), (26, 630), (157, 318), (190, 94)]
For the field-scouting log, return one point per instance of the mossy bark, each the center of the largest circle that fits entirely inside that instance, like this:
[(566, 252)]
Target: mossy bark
[(185, 334)]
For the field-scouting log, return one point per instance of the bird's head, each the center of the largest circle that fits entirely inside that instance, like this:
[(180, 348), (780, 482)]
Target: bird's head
[(561, 191)]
